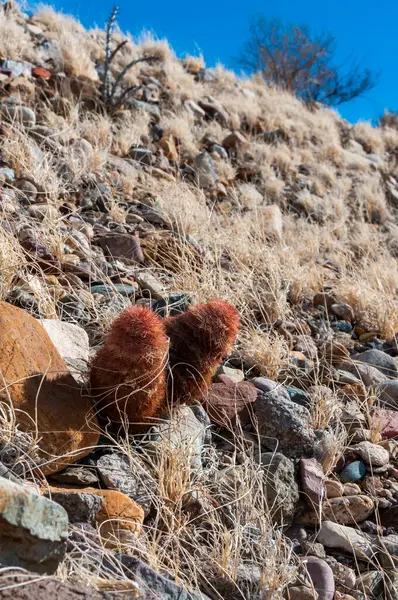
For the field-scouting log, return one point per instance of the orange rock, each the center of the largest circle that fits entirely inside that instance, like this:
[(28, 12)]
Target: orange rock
[(46, 399), (118, 513), (169, 147), (41, 73)]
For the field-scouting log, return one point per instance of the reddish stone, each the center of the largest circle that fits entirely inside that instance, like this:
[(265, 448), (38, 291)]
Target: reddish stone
[(46, 400), (386, 421), (312, 480), (41, 73), (228, 402)]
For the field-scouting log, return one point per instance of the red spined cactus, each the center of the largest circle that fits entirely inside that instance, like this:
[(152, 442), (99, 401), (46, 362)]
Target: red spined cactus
[(128, 375), (199, 338)]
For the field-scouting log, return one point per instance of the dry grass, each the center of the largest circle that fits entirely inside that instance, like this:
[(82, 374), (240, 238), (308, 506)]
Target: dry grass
[(342, 236)]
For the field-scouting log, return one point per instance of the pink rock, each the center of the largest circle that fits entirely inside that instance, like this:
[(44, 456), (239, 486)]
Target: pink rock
[(227, 402), (387, 422), (312, 480), (321, 576)]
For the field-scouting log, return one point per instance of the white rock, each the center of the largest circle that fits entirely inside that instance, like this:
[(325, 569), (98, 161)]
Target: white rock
[(333, 535), (372, 454), (71, 342)]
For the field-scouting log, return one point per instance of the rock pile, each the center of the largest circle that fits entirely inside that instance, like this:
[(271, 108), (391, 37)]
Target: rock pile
[(269, 465)]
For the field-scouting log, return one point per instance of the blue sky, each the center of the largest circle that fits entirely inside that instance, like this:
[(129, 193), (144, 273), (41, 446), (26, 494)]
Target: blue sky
[(363, 28)]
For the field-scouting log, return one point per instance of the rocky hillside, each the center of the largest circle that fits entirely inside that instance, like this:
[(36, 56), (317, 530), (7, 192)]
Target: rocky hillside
[(165, 184)]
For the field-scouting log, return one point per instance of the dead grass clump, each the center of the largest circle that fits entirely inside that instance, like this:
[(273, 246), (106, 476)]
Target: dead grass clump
[(369, 137)]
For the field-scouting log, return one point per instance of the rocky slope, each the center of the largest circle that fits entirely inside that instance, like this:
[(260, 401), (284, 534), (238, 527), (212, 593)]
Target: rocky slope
[(283, 480)]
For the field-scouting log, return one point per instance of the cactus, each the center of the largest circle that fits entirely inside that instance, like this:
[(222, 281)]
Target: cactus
[(199, 338), (127, 376)]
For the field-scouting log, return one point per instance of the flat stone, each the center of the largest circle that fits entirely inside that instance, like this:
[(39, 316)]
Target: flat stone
[(312, 480), (76, 475), (151, 584), (372, 454), (121, 246), (341, 537), (33, 530), (376, 358), (129, 477), (369, 375), (321, 576)]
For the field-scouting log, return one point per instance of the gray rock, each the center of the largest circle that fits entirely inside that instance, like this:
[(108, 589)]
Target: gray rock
[(378, 359), (76, 475), (152, 109), (18, 114), (82, 507), (33, 529), (149, 284), (121, 246), (306, 345), (281, 489), (15, 585), (267, 385), (72, 343), (141, 155), (387, 394), (152, 585), (344, 576), (348, 539), (128, 476), (206, 174), (284, 425), (182, 432), (369, 375), (321, 576)]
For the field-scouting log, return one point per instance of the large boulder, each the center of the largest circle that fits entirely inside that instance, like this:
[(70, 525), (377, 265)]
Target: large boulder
[(47, 401), (33, 530)]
